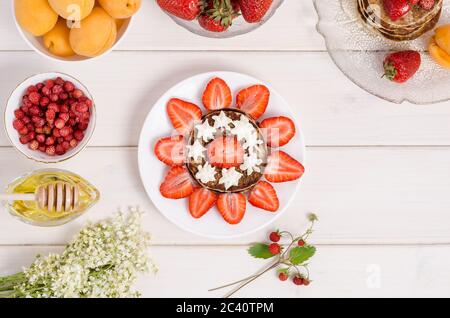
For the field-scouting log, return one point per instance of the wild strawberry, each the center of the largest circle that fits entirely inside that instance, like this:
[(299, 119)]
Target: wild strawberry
[(275, 237), (60, 123), (69, 87), (50, 114), (427, 4), (49, 83), (44, 101), (274, 248), (59, 150), (23, 131), (33, 145), (54, 97), (77, 93), (18, 124), (40, 138), (19, 114), (46, 91), (401, 66), (298, 280), (65, 131), (57, 89), (34, 111), (31, 89), (397, 8), (24, 140), (306, 282), (50, 150), (283, 276), (50, 141), (301, 243), (34, 98)]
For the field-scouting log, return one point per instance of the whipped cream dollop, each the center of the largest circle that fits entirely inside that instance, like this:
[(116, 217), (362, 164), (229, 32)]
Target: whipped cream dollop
[(196, 151), (206, 173), (230, 178)]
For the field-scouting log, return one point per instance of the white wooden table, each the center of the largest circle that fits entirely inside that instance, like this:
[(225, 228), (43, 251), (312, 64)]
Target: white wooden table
[(378, 173)]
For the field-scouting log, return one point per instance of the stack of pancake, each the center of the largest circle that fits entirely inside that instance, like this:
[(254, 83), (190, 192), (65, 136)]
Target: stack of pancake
[(409, 27)]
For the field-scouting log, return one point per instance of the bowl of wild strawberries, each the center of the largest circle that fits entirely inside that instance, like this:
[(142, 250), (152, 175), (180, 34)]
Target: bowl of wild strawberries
[(50, 117), (220, 18)]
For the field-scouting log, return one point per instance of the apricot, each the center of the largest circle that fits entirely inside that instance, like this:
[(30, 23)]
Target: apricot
[(442, 37), (438, 54), (35, 16), (57, 40), (73, 10), (97, 34), (119, 24), (120, 9)]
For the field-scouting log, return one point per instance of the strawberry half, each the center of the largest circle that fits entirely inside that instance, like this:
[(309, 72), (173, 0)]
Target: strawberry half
[(400, 66), (171, 150), (183, 114), (253, 100), (278, 130), (254, 10), (264, 196), (183, 9), (201, 201), (177, 184), (282, 168), (217, 95), (397, 8), (225, 152), (232, 207)]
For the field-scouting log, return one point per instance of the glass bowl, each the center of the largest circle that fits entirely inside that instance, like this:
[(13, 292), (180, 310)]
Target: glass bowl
[(359, 52), (239, 27), (27, 211)]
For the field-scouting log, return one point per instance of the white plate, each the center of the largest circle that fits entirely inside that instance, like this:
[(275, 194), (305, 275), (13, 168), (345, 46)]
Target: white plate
[(157, 125)]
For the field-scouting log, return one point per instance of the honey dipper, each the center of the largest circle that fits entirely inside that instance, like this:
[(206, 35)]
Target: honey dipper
[(57, 196)]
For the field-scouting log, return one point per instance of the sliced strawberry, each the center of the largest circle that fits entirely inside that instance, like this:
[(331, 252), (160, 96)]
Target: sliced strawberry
[(171, 150), (264, 196), (217, 95), (177, 184), (282, 168), (225, 152), (278, 130), (232, 207), (253, 100), (201, 201), (183, 114)]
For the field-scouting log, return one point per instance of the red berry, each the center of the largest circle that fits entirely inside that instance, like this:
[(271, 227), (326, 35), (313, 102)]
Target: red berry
[(274, 237), (64, 116), (24, 140), (306, 282), (33, 145), (66, 145), (34, 111), (42, 148), (68, 137), (427, 4), (44, 101), (65, 131), (64, 109), (46, 91), (19, 114), (50, 141), (60, 150), (57, 89), (56, 133), (78, 135), (73, 143), (298, 280), (39, 86), (31, 135), (50, 150), (54, 97), (63, 96), (274, 249), (50, 114), (49, 83), (31, 89), (69, 87), (18, 124), (301, 243), (26, 120), (23, 131), (283, 276), (47, 130), (40, 138), (59, 81), (34, 98), (60, 123), (77, 94), (82, 107)]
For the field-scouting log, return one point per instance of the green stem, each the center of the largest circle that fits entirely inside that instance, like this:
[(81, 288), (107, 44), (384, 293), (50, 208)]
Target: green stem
[(8, 282)]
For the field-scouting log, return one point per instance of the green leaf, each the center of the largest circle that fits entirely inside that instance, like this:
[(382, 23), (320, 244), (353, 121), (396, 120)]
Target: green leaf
[(260, 250), (301, 254)]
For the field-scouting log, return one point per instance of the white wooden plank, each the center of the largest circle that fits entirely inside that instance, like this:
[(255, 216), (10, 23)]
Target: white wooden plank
[(338, 271), (362, 195), (331, 109), (292, 28)]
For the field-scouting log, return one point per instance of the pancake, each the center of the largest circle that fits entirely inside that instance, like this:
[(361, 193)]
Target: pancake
[(417, 22)]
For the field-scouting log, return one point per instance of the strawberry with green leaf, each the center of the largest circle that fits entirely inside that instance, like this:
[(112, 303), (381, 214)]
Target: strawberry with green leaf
[(290, 260), (400, 66)]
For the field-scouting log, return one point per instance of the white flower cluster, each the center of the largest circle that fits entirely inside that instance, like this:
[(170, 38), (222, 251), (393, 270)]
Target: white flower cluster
[(104, 260)]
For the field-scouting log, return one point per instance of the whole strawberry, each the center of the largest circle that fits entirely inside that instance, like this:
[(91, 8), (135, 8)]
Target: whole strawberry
[(401, 66), (218, 15), (397, 8), (254, 11), (183, 9)]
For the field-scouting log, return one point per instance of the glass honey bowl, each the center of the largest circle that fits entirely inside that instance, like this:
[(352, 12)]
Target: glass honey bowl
[(30, 212)]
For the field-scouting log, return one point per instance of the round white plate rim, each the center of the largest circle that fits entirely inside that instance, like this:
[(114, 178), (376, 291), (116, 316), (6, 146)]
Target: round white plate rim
[(143, 147)]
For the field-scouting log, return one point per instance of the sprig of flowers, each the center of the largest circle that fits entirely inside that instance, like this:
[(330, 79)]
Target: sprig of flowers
[(289, 262), (103, 261)]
